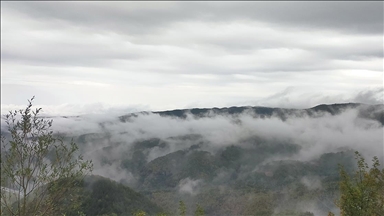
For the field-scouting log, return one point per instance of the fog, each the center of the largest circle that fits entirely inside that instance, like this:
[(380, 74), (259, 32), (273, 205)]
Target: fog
[(315, 135), (110, 139), (189, 186)]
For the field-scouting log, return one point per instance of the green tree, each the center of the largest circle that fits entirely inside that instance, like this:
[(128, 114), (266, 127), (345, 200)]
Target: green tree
[(140, 213), (362, 193), (38, 168), (182, 208), (307, 214), (199, 211)]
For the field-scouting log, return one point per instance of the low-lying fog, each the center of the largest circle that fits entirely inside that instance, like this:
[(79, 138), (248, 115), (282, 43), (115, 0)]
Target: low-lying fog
[(316, 135)]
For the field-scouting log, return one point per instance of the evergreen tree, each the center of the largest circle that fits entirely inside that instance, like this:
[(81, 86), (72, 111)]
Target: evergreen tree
[(199, 211), (182, 208)]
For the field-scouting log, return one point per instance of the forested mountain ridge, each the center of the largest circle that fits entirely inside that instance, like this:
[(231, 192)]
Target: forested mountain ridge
[(230, 161), (369, 111), (102, 196)]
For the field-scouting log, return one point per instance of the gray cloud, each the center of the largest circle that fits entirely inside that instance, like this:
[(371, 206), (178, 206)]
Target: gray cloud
[(103, 30), (326, 133), (189, 186), (375, 96), (105, 59), (107, 140), (311, 182), (175, 54), (361, 17), (296, 97)]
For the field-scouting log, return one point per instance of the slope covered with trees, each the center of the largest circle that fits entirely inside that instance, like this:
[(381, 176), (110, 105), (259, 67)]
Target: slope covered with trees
[(255, 174), (39, 172), (101, 196)]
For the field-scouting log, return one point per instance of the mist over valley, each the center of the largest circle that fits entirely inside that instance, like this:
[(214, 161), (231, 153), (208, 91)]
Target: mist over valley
[(229, 160)]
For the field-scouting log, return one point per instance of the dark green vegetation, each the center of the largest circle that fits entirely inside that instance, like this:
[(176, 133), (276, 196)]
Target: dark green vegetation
[(363, 192), (40, 169), (101, 196), (230, 186), (254, 175), (367, 111)]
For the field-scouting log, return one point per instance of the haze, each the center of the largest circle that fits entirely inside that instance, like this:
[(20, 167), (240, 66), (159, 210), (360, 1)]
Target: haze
[(98, 57)]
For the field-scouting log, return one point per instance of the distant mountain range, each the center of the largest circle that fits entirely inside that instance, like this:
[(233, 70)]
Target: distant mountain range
[(369, 111), (231, 161)]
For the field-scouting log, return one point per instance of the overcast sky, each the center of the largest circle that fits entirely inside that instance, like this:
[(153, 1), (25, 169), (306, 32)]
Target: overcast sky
[(79, 57)]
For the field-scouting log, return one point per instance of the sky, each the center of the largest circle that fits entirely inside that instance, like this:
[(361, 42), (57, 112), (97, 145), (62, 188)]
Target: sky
[(94, 57)]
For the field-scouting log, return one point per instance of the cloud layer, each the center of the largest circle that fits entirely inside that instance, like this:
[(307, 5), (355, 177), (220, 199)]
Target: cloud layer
[(180, 54), (314, 135)]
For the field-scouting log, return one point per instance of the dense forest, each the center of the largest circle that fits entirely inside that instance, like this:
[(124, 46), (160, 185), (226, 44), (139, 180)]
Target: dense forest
[(146, 169)]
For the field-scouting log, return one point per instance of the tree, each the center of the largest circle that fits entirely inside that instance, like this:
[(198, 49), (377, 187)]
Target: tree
[(40, 171), (199, 211), (140, 213), (307, 213), (363, 193), (182, 208)]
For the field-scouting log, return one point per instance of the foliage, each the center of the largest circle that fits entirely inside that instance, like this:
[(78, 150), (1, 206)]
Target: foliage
[(182, 208), (262, 204), (245, 178), (199, 211), (363, 193), (102, 196), (292, 213), (140, 213), (40, 168), (307, 214)]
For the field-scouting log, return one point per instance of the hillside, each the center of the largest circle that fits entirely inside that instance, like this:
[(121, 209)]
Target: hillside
[(102, 196), (230, 161), (368, 111)]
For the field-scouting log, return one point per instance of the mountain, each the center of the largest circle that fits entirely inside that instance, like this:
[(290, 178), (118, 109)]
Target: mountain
[(102, 196), (230, 161), (369, 111)]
